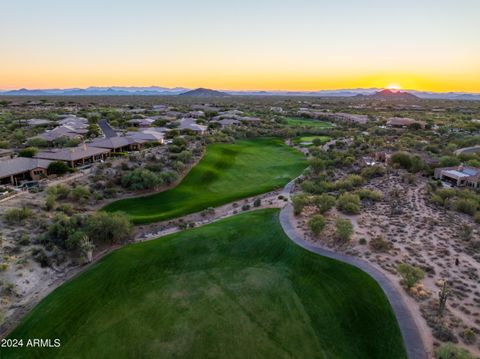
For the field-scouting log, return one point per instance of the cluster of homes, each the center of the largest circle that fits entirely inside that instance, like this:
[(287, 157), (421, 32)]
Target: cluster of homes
[(14, 171), (334, 116)]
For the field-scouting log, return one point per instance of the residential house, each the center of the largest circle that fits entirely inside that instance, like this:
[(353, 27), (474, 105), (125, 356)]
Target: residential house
[(459, 176), (75, 156), (188, 123), (119, 144), (19, 169)]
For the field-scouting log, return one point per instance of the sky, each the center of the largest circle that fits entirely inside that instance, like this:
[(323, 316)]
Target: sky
[(431, 45)]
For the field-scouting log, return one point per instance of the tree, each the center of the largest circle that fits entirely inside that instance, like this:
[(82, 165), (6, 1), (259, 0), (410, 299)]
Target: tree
[(316, 224), (58, 168), (93, 130), (28, 152), (349, 203), (410, 274), (344, 229), (449, 161), (108, 227)]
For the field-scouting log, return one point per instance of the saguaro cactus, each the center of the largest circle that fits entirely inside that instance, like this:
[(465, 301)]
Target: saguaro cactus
[(442, 298)]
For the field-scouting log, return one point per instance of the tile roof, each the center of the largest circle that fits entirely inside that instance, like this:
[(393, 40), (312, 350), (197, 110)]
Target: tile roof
[(21, 164)]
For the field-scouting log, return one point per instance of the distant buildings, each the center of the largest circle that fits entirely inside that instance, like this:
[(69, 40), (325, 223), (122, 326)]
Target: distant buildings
[(404, 122), (335, 116), (459, 176)]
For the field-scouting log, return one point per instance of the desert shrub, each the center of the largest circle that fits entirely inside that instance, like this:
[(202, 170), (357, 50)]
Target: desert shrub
[(466, 205), (316, 165), (349, 203), (450, 351), (80, 193), (476, 217), (402, 159), (140, 179), (324, 202), (372, 172), (410, 274), (108, 227), (299, 201), (468, 336), (344, 229), (59, 191), (245, 207), (362, 241), (257, 202), (379, 244), (316, 224), (365, 193), (41, 257), (37, 142), (17, 215), (449, 161), (349, 182)]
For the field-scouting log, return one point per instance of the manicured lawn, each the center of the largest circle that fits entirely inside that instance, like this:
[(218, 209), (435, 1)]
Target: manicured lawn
[(301, 122), (238, 288), (227, 172), (308, 140)]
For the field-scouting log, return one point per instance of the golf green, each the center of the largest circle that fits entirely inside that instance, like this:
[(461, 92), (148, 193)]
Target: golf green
[(237, 288), (308, 140), (228, 172)]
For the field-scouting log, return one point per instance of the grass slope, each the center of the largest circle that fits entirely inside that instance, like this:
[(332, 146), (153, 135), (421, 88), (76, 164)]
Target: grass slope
[(238, 288), (227, 172)]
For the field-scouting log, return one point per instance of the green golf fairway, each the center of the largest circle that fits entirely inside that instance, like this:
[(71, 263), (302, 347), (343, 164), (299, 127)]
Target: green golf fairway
[(300, 122), (237, 288), (227, 172)]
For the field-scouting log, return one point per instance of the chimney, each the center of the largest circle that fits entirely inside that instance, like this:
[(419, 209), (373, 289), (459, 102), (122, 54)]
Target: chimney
[(84, 146)]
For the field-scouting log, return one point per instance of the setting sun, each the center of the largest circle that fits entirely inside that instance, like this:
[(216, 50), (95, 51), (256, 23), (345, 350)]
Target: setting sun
[(394, 87)]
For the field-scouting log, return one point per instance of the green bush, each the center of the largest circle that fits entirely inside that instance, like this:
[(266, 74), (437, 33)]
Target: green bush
[(28, 152), (410, 274), (299, 201), (140, 179), (450, 351), (369, 194), (344, 229), (349, 203), (17, 215), (316, 224), (324, 202), (58, 168)]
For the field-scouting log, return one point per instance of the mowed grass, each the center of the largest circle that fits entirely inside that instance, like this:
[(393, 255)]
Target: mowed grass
[(237, 288), (227, 172), (308, 140), (301, 122)]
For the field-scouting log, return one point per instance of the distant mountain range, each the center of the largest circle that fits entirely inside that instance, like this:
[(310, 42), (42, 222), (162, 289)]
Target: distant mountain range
[(387, 95), (201, 92)]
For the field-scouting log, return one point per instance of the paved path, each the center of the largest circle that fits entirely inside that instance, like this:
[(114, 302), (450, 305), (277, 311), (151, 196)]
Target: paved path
[(410, 333)]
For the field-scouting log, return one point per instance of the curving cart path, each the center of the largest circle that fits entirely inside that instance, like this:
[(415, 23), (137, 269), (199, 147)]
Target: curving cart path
[(410, 333)]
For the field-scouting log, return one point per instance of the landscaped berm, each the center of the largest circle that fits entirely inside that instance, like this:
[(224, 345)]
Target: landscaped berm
[(227, 172), (237, 288)]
